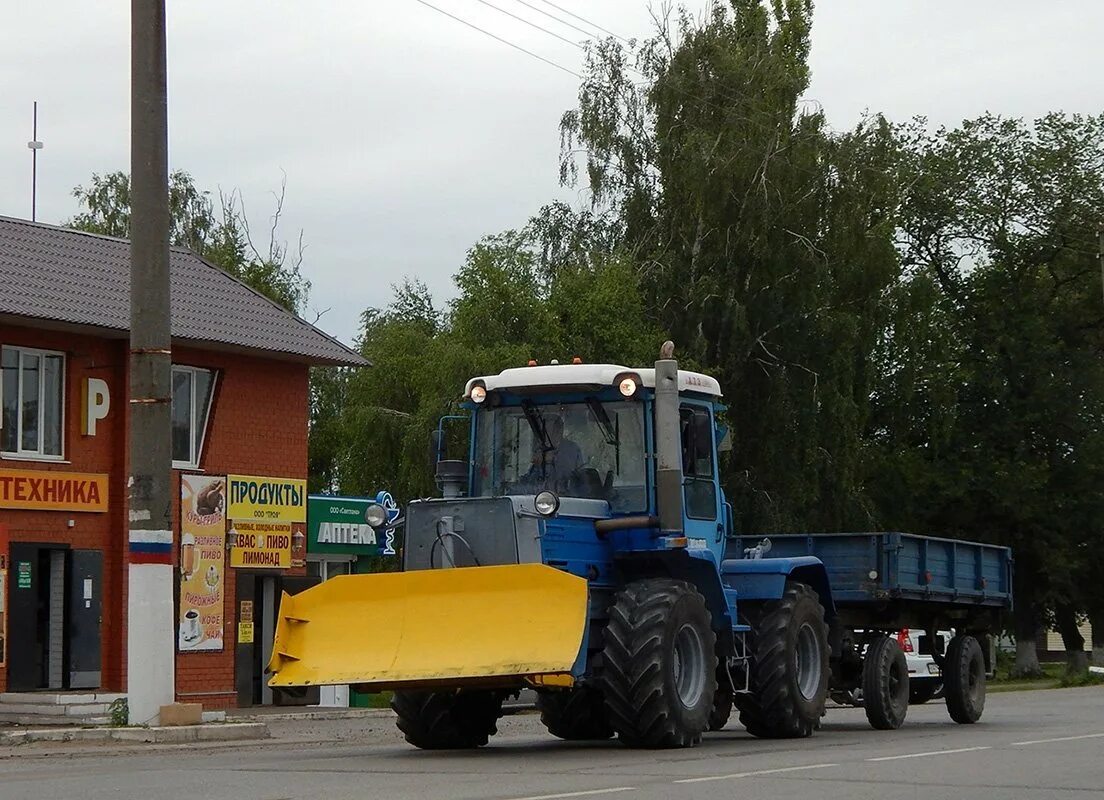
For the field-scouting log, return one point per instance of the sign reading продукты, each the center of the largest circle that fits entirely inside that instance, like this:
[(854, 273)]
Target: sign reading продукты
[(269, 499), (336, 525)]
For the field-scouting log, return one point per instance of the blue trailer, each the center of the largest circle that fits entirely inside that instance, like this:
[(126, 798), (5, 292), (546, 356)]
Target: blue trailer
[(882, 583), (579, 548)]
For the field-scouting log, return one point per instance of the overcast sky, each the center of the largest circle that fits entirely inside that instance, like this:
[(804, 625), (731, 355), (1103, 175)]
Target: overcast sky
[(405, 136)]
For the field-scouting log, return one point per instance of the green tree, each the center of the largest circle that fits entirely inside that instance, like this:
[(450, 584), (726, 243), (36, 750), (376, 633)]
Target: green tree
[(221, 235), (763, 240)]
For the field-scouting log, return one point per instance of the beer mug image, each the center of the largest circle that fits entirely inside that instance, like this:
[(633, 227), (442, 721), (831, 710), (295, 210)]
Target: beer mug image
[(187, 555), (189, 630)]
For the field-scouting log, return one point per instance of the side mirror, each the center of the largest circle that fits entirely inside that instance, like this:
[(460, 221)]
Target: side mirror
[(724, 443)]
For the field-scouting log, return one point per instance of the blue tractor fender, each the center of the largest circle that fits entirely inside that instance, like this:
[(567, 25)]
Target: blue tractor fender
[(765, 578), (696, 567)]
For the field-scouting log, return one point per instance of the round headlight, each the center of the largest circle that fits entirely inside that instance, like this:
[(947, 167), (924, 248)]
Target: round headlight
[(546, 503), (478, 394), (375, 515), (627, 387)]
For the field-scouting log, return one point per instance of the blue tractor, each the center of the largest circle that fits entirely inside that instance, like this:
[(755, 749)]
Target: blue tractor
[(577, 550)]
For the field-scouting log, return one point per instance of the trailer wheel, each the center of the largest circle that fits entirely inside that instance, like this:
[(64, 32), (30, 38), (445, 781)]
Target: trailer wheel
[(452, 720), (659, 664), (722, 700), (964, 679), (575, 714), (789, 671), (885, 684)]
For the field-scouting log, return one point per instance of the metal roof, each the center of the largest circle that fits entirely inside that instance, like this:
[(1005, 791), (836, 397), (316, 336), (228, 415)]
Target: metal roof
[(569, 375), (59, 275)]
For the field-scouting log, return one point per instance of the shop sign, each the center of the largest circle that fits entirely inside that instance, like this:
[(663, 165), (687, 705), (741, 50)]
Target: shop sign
[(202, 562), (336, 525), (245, 633), (23, 572), (260, 545), (42, 490), (269, 499)]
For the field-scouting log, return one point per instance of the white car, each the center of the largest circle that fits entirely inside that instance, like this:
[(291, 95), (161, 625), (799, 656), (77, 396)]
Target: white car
[(925, 680)]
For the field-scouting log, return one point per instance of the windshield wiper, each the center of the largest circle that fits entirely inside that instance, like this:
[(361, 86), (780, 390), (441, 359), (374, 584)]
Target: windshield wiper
[(603, 420), (536, 422)]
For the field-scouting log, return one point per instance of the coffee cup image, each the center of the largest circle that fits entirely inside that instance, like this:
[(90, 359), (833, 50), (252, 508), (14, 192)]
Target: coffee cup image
[(189, 631)]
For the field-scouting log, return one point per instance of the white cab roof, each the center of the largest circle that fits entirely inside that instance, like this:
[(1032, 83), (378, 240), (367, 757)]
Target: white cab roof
[(569, 375)]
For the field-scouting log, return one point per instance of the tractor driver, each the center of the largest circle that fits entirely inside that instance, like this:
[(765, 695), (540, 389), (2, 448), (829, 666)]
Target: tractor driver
[(558, 467)]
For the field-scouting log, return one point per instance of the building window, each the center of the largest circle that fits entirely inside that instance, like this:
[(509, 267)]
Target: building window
[(34, 414), (192, 389)]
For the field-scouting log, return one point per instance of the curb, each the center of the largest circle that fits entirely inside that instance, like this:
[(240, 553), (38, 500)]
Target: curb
[(160, 735), (335, 713)]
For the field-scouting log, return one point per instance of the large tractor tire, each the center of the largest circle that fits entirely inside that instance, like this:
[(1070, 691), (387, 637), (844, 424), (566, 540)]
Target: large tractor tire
[(450, 720), (964, 679), (789, 670), (659, 670), (885, 684), (575, 714)]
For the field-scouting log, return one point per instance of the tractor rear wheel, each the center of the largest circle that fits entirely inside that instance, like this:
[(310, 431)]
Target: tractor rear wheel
[(885, 684), (659, 669), (789, 670), (450, 720), (964, 679), (575, 714)]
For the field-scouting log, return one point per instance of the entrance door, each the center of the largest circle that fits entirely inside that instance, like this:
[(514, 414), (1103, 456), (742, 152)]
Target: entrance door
[(36, 625), (84, 617)]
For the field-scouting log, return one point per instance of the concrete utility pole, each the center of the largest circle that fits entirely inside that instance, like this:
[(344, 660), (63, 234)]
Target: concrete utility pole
[(151, 641)]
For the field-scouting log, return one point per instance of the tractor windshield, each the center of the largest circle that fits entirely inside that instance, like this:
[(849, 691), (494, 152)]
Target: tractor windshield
[(587, 449)]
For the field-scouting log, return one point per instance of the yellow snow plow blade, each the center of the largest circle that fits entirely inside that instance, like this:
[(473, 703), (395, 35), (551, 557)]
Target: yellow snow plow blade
[(503, 625)]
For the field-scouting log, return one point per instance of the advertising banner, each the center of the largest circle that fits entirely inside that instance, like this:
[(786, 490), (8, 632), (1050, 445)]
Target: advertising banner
[(264, 545), (202, 562), (268, 499), (3, 593), (39, 490)]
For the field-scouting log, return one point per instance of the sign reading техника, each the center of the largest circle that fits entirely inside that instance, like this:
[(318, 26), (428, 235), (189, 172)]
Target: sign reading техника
[(43, 490)]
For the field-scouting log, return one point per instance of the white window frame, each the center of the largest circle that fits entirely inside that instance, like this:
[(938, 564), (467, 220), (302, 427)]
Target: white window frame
[(195, 447), (37, 455)]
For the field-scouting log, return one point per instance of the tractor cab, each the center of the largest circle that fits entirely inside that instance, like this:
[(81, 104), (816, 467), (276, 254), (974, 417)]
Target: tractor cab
[(569, 445)]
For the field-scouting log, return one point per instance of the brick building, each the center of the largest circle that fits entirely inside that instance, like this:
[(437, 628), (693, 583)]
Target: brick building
[(240, 408)]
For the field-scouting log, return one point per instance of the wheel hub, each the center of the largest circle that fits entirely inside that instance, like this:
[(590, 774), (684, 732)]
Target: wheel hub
[(689, 666), (810, 664)]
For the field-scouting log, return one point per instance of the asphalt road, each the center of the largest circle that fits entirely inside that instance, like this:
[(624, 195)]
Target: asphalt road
[(1030, 745)]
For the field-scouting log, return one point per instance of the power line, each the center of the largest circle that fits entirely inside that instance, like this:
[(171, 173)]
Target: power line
[(581, 19), (584, 31), (532, 24), (500, 39)]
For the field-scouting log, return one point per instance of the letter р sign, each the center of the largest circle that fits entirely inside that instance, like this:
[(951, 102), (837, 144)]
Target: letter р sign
[(39, 490)]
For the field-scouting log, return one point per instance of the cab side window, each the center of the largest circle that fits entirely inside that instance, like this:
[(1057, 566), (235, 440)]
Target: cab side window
[(699, 489)]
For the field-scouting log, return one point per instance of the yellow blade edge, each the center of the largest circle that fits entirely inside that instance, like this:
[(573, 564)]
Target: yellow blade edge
[(513, 624)]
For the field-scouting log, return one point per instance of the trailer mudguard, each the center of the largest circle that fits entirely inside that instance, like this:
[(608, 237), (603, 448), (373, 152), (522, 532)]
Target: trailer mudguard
[(506, 626), (765, 578)]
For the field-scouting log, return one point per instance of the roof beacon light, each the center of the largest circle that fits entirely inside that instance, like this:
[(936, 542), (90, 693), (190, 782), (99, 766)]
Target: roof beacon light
[(478, 393), (627, 387)]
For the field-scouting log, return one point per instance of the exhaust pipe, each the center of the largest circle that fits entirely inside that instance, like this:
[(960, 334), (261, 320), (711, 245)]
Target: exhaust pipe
[(668, 442)]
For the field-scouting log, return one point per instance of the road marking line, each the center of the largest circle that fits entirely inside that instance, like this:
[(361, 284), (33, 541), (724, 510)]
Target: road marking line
[(932, 753), (753, 774), (587, 793), (1059, 739)]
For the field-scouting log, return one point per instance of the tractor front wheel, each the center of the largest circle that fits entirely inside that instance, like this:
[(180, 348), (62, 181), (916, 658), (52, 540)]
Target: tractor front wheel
[(450, 720), (659, 670)]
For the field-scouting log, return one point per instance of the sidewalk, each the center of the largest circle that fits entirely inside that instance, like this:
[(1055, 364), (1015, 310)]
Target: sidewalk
[(177, 734)]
